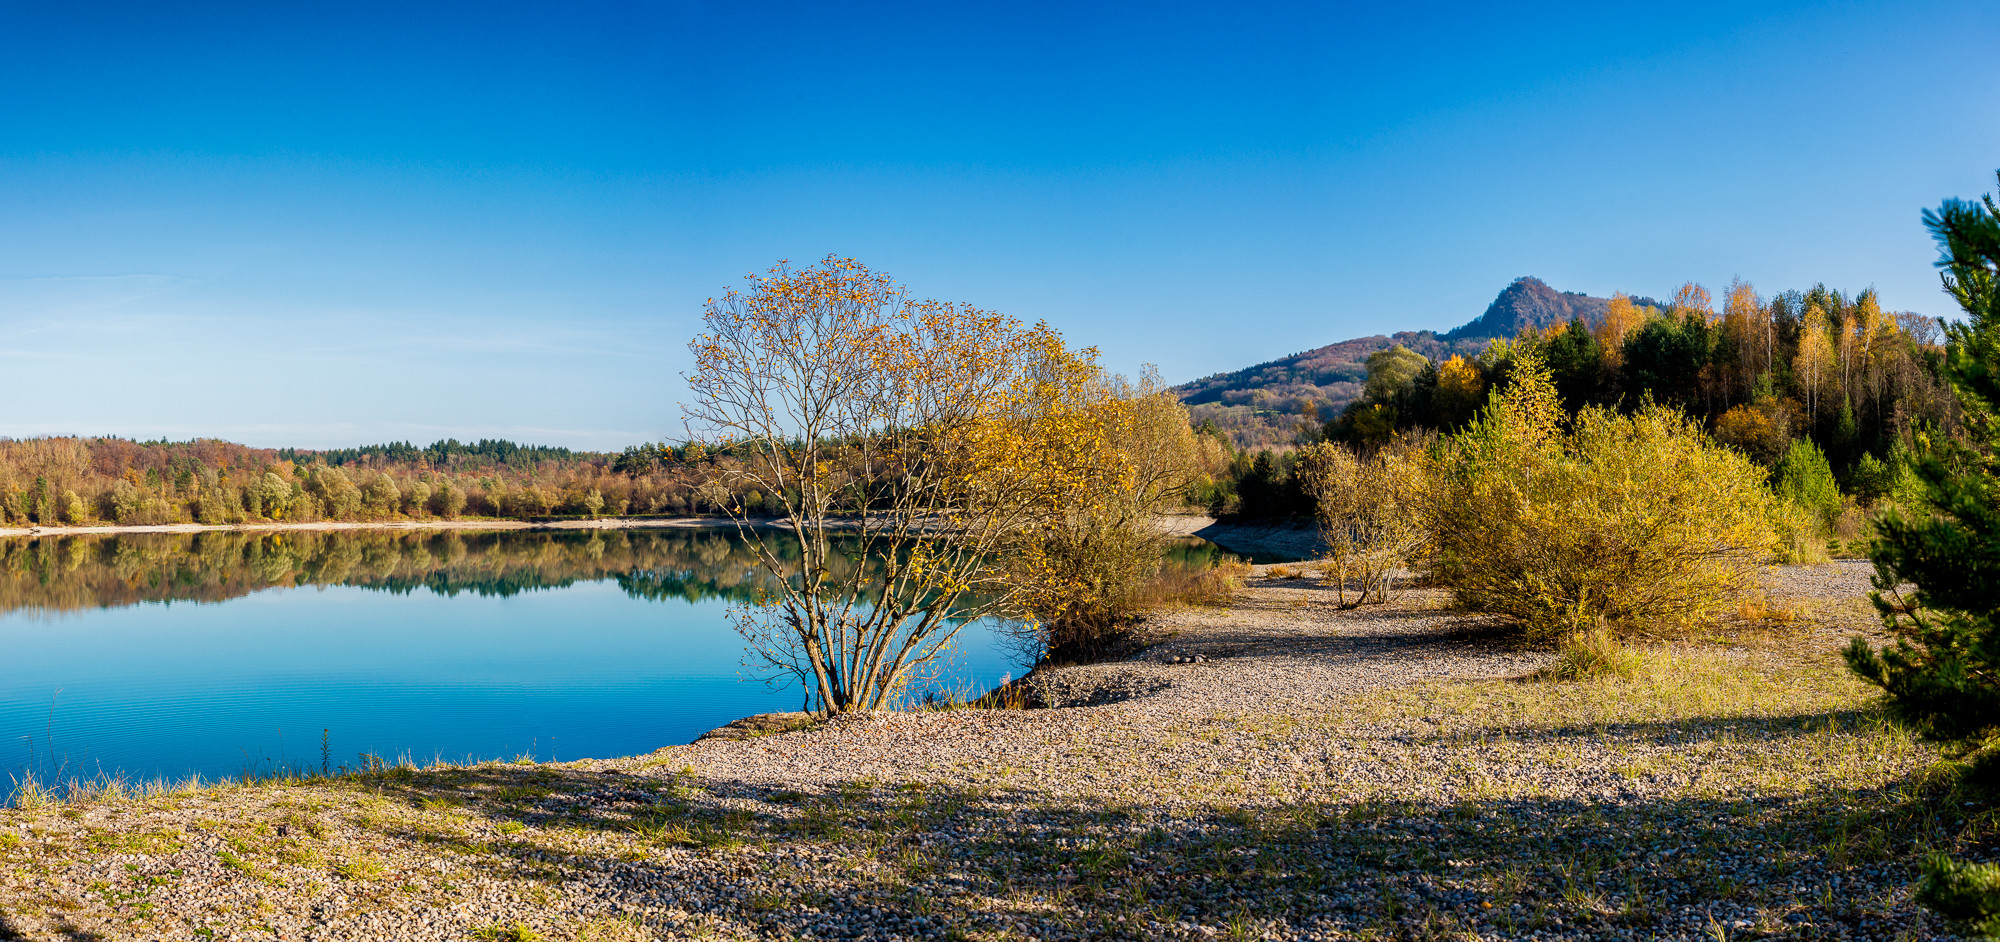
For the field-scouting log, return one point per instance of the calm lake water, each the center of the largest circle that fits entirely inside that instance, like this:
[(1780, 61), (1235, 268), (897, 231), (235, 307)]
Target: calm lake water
[(226, 652)]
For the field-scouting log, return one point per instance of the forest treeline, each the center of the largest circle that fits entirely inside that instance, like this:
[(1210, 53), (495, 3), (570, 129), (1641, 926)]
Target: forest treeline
[(84, 481), (1858, 384)]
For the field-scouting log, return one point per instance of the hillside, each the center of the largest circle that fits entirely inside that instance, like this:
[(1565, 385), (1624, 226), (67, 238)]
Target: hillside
[(1263, 405)]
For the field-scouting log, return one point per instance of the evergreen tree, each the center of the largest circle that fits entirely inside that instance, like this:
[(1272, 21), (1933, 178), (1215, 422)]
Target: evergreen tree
[(1805, 478), (1575, 361), (1665, 356), (1943, 674)]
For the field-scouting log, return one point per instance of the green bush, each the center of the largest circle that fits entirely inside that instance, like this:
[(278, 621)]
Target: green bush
[(1966, 893), (1804, 478)]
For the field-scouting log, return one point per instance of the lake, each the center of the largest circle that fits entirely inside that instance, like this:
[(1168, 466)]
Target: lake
[(226, 652)]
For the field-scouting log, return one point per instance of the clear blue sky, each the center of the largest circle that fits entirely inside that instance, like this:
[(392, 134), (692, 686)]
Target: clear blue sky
[(363, 223)]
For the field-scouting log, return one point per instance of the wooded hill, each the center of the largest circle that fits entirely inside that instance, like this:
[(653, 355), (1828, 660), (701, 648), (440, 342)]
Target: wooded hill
[(1263, 405)]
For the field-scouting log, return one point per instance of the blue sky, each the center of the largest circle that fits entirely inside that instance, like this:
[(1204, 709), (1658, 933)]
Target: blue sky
[(319, 227)]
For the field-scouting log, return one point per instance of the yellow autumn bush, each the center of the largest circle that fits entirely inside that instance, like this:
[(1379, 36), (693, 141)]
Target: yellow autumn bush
[(1366, 507), (1104, 456), (1620, 520)]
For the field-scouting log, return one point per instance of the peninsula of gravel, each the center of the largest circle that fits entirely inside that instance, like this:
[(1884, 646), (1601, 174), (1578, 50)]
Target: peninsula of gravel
[(1389, 772)]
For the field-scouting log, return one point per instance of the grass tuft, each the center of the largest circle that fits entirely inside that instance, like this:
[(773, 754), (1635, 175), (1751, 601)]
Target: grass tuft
[(516, 932), (1594, 653)]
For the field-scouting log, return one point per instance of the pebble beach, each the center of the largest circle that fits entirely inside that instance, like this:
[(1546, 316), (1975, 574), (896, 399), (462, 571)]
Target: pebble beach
[(1278, 768)]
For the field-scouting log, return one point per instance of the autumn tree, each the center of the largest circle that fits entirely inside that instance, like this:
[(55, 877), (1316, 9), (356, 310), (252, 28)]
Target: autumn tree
[(1387, 400), (1608, 519), (1621, 317), (381, 496), (1815, 356), (1747, 324), (337, 496), (418, 498), (1692, 299), (1460, 390), (1367, 508), (450, 500), (862, 415), (1102, 457)]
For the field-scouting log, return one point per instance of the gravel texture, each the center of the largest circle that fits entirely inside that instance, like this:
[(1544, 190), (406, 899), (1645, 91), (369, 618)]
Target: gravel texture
[(1274, 769)]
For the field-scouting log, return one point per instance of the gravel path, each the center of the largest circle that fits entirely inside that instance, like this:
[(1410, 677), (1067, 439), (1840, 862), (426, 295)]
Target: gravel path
[(1275, 769)]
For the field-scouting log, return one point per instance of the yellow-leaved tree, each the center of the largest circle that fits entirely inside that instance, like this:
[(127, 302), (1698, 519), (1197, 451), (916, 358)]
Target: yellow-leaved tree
[(1103, 457), (928, 464), (1460, 389), (1624, 521), (1621, 317), (1368, 513), (858, 417), (1816, 355)]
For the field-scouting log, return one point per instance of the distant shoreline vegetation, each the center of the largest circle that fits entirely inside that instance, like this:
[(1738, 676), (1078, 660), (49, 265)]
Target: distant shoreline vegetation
[(77, 481)]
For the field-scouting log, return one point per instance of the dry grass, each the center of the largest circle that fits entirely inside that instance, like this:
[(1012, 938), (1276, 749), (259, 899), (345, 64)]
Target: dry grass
[(1757, 610), (1177, 586), (1595, 653)]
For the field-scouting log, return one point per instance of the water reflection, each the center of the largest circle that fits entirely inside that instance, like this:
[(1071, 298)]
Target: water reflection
[(439, 643), (563, 643), (92, 571)]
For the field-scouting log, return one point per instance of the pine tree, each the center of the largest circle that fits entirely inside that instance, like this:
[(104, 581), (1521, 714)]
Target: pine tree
[(1942, 676)]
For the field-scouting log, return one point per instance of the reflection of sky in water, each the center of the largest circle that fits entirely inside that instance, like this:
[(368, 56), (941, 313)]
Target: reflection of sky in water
[(585, 668)]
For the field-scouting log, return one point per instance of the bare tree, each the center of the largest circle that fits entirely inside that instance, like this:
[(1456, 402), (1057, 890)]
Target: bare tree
[(864, 418)]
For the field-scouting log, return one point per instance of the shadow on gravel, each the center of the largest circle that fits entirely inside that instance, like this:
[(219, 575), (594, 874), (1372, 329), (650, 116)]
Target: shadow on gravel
[(872, 860), (1373, 636), (65, 930), (1681, 732)]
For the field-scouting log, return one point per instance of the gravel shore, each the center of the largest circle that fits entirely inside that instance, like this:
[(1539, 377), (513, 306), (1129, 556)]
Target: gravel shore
[(1274, 769)]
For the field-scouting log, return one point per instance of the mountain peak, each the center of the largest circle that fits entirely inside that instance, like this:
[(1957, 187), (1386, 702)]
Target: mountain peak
[(1529, 302)]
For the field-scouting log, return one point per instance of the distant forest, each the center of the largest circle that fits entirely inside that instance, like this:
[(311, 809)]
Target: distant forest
[(1816, 365), (1813, 365), (82, 481)]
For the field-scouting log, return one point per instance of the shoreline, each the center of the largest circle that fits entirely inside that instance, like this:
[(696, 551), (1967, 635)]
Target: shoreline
[(1244, 537)]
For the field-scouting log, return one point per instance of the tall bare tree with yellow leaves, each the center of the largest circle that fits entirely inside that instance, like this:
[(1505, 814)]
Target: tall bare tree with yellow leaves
[(861, 415)]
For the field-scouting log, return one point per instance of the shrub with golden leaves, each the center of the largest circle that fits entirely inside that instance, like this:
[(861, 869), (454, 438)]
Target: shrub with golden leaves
[(1623, 520), (1760, 429), (1367, 513), (1103, 456)]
